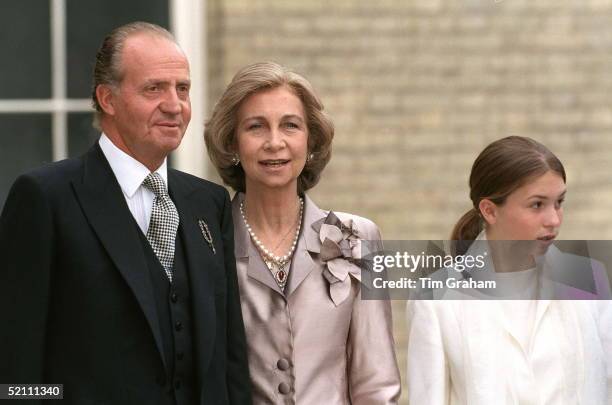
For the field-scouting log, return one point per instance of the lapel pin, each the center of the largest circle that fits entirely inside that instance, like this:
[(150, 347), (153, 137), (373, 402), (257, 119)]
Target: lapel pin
[(207, 235)]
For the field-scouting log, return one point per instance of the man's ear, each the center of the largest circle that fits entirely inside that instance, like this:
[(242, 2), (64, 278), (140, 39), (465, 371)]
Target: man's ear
[(488, 210), (106, 99)]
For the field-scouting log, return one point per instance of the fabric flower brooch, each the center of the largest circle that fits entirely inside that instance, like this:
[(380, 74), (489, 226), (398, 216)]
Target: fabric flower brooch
[(341, 253)]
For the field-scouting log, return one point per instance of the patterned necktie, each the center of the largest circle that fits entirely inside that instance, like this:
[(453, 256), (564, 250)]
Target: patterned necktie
[(163, 224)]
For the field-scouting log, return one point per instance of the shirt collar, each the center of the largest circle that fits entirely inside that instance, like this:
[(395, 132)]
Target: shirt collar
[(130, 173)]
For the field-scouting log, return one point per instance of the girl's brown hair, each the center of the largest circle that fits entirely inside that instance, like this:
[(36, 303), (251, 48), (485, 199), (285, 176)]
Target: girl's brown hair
[(502, 167)]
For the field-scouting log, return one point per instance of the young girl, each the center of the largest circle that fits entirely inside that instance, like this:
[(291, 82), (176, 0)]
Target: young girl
[(526, 350)]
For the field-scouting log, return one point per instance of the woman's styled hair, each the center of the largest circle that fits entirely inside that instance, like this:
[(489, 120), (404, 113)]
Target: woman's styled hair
[(501, 168), (220, 130)]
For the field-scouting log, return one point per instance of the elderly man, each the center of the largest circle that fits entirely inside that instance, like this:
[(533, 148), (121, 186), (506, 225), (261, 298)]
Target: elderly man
[(118, 277)]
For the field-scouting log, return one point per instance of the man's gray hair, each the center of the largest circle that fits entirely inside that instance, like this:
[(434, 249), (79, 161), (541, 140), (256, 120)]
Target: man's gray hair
[(107, 69)]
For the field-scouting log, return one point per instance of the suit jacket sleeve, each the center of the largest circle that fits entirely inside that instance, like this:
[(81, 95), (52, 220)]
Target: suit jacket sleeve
[(26, 251), (373, 374), (238, 379), (428, 380)]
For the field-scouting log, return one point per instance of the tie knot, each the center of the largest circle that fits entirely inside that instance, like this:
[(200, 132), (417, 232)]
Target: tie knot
[(155, 183)]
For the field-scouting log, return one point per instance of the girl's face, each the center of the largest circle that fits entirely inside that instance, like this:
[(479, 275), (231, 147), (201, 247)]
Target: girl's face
[(534, 211)]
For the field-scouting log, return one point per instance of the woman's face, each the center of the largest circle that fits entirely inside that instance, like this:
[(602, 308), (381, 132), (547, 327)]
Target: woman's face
[(272, 136), (532, 212)]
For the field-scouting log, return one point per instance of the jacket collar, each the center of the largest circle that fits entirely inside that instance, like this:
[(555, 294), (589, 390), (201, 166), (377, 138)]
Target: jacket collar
[(302, 263), (312, 214), (103, 203)]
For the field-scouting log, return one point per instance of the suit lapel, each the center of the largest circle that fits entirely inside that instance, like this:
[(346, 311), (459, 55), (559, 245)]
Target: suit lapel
[(106, 210), (258, 270), (200, 259), (541, 309), (308, 245), (244, 249), (302, 263)]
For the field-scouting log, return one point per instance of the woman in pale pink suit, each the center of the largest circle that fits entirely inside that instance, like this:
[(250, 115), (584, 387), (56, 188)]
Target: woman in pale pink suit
[(311, 338)]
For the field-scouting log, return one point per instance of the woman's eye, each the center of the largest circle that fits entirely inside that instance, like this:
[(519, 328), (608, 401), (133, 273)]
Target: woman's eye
[(537, 204), (253, 126), (292, 125)]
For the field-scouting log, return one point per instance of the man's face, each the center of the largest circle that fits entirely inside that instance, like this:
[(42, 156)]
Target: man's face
[(151, 108)]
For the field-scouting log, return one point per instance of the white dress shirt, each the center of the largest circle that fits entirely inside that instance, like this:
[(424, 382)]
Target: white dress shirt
[(130, 174)]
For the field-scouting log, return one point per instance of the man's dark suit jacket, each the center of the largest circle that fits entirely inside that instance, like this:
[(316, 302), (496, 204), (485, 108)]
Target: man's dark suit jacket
[(76, 303)]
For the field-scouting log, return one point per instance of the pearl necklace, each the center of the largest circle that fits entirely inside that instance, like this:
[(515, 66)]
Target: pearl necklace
[(276, 264)]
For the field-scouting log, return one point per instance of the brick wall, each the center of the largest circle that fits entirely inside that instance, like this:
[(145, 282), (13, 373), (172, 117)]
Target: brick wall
[(418, 88)]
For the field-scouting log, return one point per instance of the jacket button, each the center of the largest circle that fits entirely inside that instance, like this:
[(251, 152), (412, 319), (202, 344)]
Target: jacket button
[(177, 385), (178, 325), (180, 355), (284, 388), (174, 297), (283, 364)]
